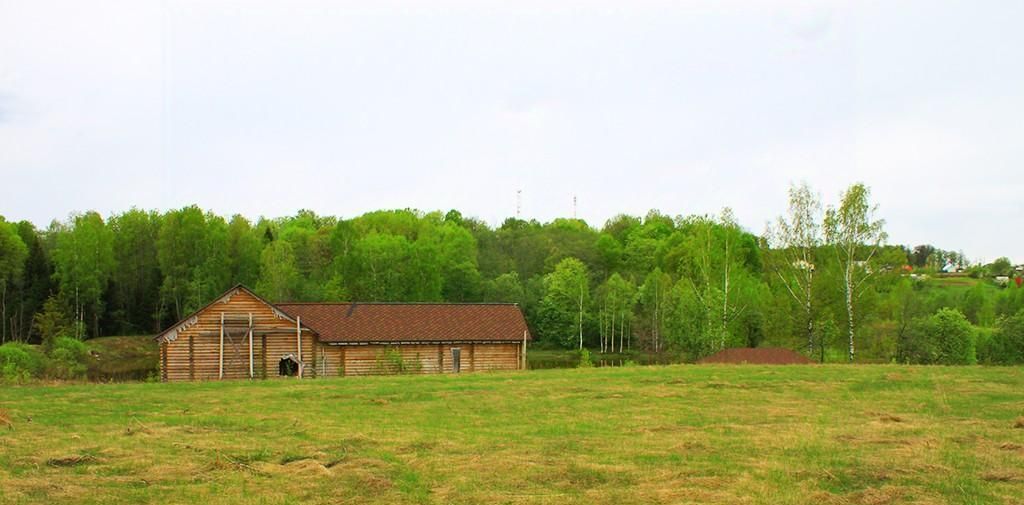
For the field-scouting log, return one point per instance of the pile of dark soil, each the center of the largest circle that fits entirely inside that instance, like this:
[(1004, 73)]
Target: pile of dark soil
[(757, 356)]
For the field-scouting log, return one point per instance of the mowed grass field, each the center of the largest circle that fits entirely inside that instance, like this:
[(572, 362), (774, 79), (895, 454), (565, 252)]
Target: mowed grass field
[(672, 434)]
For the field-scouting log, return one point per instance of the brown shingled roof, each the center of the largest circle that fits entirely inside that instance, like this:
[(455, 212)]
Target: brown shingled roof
[(410, 322)]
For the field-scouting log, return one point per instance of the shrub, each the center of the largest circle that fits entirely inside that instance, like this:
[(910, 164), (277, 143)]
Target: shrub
[(943, 338), (19, 362), (585, 360), (1006, 345), (67, 358), (390, 361)]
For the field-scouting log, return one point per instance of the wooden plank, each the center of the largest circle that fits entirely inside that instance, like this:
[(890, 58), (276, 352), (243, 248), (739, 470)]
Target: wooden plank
[(164, 368), (191, 358), (221, 345), (250, 347)]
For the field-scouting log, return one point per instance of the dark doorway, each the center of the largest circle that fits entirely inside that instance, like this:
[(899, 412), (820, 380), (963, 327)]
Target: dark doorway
[(288, 367), (456, 359)]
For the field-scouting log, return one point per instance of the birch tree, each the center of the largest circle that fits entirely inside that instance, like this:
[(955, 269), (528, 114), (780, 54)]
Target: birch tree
[(795, 237), (567, 294), (855, 236)]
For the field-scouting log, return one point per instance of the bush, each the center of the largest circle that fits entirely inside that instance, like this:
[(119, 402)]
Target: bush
[(1006, 345), (390, 361), (67, 358), (943, 338), (19, 362), (585, 360)]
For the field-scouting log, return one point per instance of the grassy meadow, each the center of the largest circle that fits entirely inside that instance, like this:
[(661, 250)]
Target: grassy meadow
[(873, 434)]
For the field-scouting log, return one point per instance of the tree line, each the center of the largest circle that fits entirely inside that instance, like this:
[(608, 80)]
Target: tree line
[(821, 278)]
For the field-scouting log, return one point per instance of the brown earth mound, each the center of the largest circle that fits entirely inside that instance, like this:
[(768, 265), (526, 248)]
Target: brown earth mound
[(757, 356)]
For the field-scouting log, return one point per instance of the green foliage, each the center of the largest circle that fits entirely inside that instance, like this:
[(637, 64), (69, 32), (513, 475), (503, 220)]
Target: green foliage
[(567, 294), (279, 276), (585, 361), (687, 285), (13, 253), (67, 358), (390, 361), (19, 362), (135, 283), (1005, 346), (1001, 266), (944, 338), (53, 321)]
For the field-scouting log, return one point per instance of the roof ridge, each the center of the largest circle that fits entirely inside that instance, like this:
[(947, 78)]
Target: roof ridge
[(398, 303)]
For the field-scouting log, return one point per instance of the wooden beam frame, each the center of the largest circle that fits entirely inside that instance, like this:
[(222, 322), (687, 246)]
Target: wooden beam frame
[(298, 337), (220, 373), (251, 374)]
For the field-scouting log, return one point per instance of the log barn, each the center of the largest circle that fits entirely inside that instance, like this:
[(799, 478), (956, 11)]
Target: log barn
[(240, 335)]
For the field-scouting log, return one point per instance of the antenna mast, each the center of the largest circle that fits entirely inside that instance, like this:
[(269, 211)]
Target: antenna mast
[(574, 206), (519, 203)]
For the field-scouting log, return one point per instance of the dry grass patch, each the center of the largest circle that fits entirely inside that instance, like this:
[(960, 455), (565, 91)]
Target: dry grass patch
[(72, 460), (5, 420)]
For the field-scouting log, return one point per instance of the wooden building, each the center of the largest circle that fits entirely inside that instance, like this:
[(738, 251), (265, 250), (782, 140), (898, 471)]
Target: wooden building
[(240, 335)]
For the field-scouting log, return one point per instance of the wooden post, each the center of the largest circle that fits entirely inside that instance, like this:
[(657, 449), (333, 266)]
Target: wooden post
[(342, 362), (298, 338), (251, 374), (191, 359), (220, 373), (523, 364), (163, 351), (263, 354)]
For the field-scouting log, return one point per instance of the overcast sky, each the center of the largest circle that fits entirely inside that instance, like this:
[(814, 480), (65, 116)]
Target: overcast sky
[(263, 108)]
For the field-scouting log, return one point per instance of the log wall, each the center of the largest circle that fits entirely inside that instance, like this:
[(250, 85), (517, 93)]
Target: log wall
[(379, 359), (193, 350), (194, 353)]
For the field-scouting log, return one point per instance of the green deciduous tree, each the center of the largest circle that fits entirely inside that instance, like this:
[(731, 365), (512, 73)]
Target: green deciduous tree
[(279, 277), (1006, 346), (567, 294), (135, 283), (13, 254), (796, 238), (945, 338), (855, 236), (84, 260)]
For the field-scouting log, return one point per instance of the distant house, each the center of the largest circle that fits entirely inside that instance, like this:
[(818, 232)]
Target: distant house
[(803, 265), (242, 336)]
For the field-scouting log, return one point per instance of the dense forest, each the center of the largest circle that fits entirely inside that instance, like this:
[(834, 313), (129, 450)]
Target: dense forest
[(821, 278)]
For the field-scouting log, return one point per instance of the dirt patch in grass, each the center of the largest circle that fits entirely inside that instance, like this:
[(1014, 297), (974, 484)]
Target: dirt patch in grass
[(879, 496), (757, 356), (5, 419), (1019, 423), (885, 417), (73, 460), (1001, 476)]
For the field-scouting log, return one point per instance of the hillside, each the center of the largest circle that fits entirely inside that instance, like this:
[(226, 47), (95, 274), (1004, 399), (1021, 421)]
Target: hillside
[(672, 434), (121, 358)]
